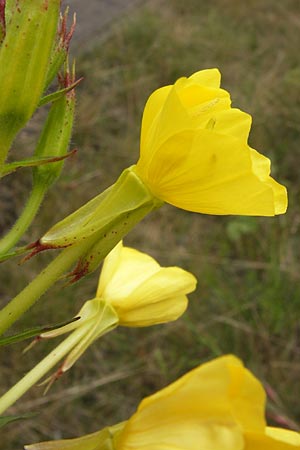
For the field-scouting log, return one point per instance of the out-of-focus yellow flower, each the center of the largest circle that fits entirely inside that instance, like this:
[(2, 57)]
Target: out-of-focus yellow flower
[(141, 291), (195, 155), (218, 405)]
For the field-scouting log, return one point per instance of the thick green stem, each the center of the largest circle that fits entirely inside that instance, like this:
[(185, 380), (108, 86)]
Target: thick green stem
[(26, 298), (24, 220), (90, 233), (41, 368)]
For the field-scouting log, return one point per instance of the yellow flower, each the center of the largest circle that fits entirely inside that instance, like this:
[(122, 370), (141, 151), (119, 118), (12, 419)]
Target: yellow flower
[(134, 291), (141, 291), (217, 406), (194, 155), (194, 152)]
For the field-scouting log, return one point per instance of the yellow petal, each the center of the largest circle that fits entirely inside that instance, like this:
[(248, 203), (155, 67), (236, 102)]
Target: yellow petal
[(220, 393), (158, 299), (190, 435), (195, 96), (262, 168), (165, 283), (186, 107), (214, 175), (153, 108), (153, 313), (194, 152), (233, 122), (207, 77), (109, 268), (273, 439), (123, 270)]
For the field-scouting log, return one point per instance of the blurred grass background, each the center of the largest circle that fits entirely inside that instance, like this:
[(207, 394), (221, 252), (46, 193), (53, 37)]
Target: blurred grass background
[(248, 296)]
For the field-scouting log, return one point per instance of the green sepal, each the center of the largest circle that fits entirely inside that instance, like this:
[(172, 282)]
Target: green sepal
[(100, 440), (32, 162), (33, 332), (108, 239), (100, 318), (4, 420), (58, 94), (100, 215)]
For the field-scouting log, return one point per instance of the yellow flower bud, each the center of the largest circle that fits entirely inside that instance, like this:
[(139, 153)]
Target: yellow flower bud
[(24, 58), (133, 291), (194, 152), (141, 291)]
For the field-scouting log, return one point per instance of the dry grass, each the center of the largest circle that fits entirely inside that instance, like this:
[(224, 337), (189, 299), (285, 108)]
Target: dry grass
[(248, 298)]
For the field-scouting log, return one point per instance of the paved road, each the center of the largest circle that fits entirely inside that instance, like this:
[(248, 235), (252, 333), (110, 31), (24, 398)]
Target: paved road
[(94, 18)]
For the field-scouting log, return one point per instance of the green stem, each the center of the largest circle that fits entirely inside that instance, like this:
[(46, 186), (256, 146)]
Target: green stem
[(33, 291), (24, 220), (5, 144), (41, 368)]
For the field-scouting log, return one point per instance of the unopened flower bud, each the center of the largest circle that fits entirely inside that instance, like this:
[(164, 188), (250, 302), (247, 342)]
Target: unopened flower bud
[(141, 291), (61, 47), (56, 134), (24, 60)]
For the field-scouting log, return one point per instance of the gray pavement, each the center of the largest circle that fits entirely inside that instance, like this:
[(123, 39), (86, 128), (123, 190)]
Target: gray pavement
[(95, 17)]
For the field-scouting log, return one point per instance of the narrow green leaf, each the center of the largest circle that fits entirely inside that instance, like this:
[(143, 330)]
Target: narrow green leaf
[(4, 420), (56, 95), (33, 332), (32, 162)]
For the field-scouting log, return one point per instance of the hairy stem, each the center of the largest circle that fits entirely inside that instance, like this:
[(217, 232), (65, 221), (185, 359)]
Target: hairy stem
[(24, 220)]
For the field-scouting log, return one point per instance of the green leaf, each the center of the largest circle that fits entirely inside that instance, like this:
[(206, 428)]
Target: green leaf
[(33, 332), (4, 420), (32, 162), (58, 94)]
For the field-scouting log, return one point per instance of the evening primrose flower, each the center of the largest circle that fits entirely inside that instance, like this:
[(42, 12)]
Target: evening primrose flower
[(134, 291), (193, 154), (218, 405)]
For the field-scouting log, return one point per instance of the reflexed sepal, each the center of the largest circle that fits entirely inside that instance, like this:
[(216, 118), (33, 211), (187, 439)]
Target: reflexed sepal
[(96, 318), (101, 223), (100, 214), (108, 239), (101, 440)]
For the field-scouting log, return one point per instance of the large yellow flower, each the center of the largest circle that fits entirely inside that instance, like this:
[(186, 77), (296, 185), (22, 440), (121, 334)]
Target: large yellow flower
[(217, 406), (195, 155)]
